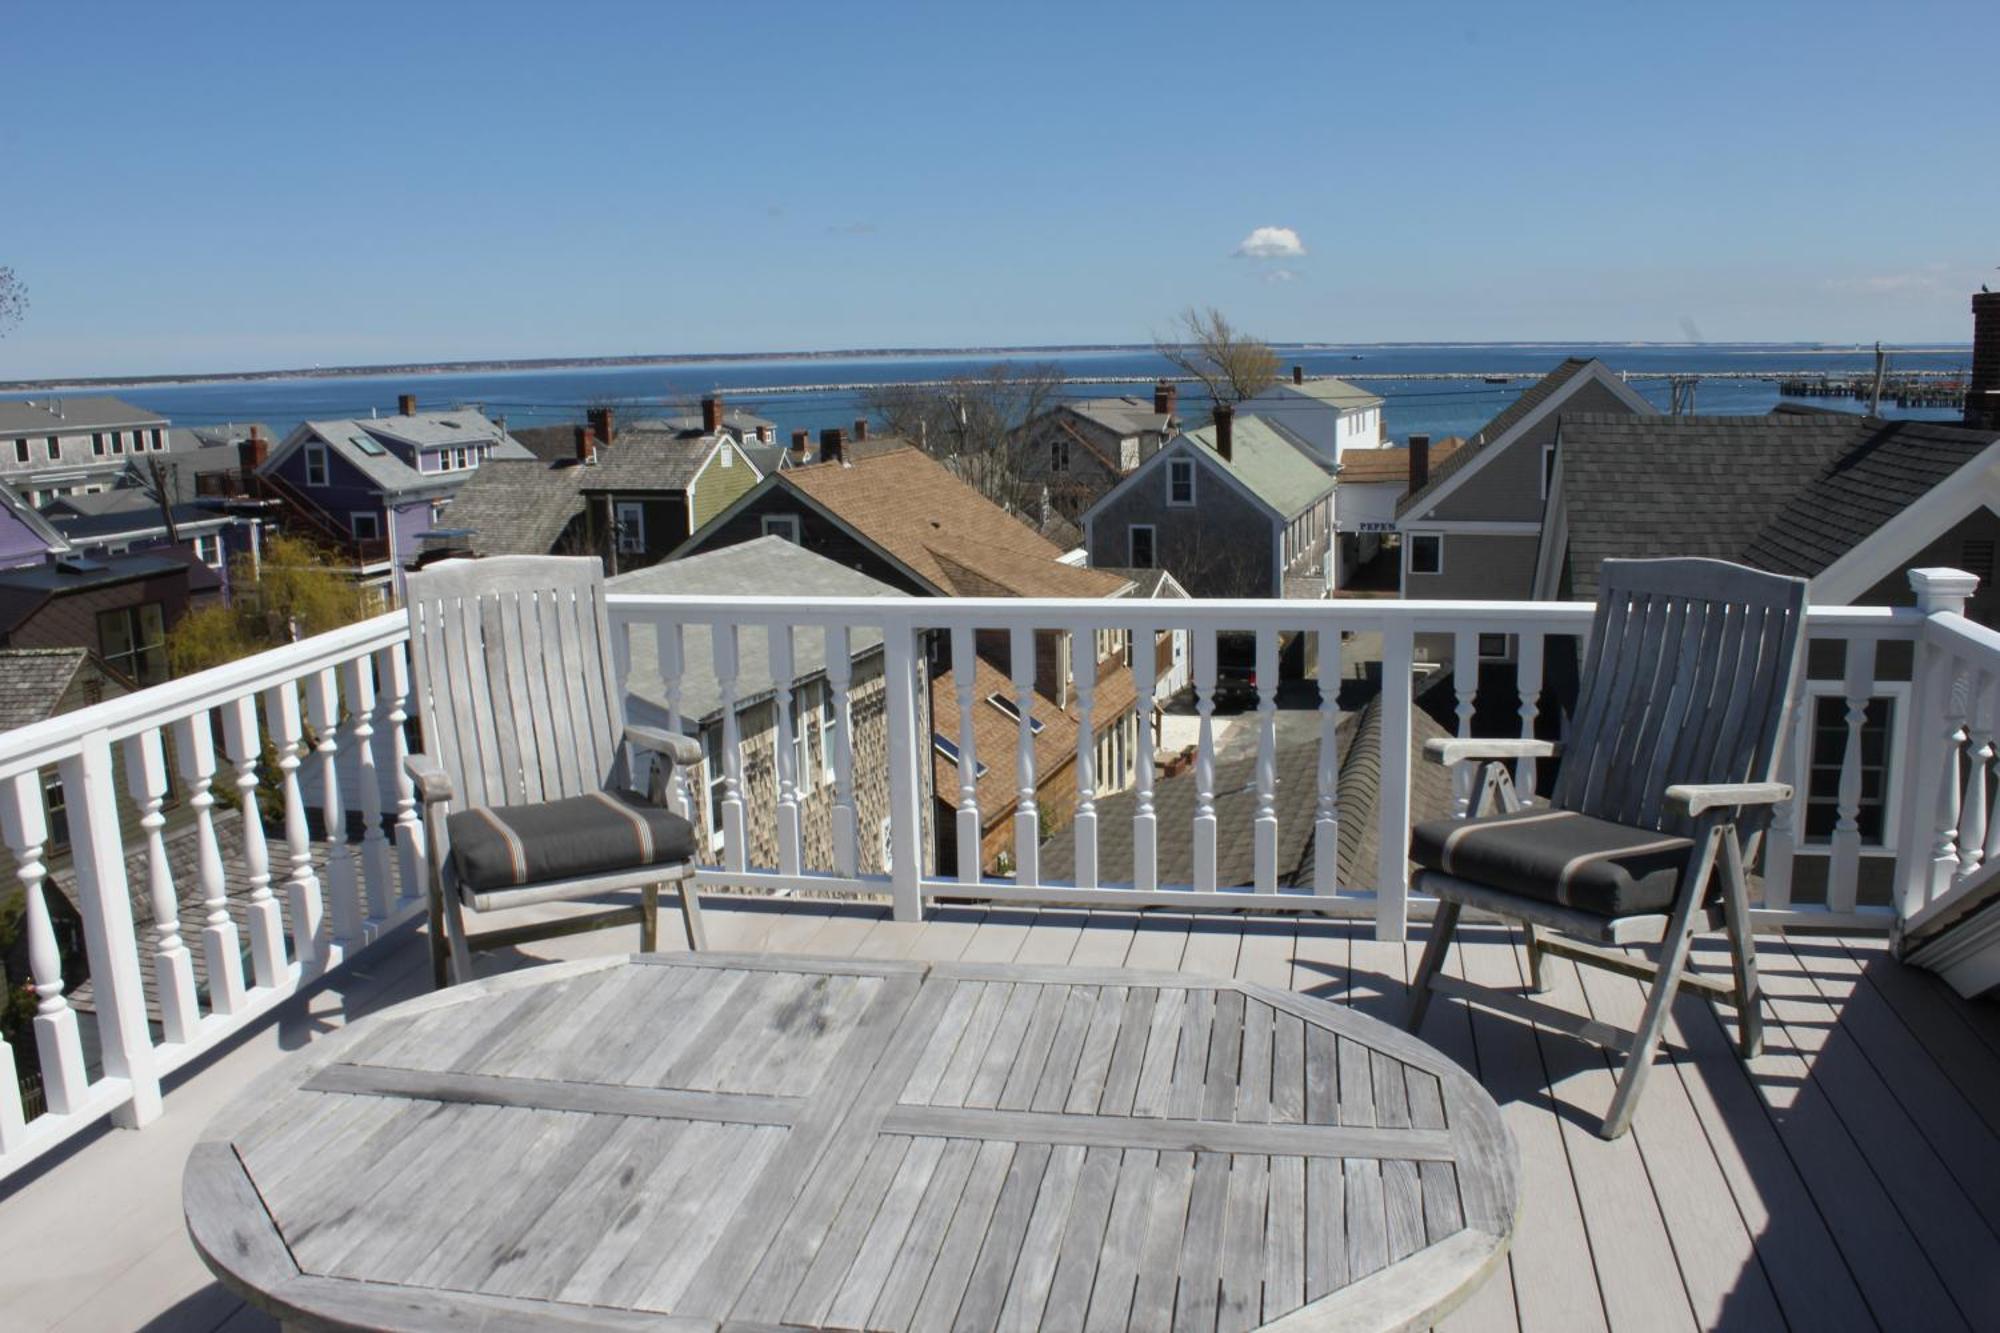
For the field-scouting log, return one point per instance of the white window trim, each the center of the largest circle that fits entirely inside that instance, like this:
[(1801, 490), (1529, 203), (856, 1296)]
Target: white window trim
[(1898, 692), (1410, 554), (630, 516), (316, 460), (781, 525), (1132, 532), (1194, 489), (374, 521)]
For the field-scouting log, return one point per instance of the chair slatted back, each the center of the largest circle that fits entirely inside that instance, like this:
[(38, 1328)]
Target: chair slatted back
[(515, 682), (1689, 676)]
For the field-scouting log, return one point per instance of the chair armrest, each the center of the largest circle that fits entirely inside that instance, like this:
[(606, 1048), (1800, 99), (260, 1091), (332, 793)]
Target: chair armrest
[(1449, 750), (682, 750), (1694, 798), (432, 782)]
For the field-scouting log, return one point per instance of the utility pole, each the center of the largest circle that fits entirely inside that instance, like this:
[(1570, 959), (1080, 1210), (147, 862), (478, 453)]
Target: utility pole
[(1875, 398)]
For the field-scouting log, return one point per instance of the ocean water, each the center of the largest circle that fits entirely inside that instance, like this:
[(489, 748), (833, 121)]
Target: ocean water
[(806, 393)]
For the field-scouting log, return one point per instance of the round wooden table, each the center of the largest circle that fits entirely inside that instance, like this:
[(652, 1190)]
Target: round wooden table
[(717, 1141)]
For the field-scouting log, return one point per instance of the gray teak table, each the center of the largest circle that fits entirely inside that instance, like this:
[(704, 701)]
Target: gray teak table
[(725, 1141)]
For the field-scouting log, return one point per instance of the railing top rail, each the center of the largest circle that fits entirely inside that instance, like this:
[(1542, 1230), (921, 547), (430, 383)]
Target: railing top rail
[(27, 748), (1961, 636)]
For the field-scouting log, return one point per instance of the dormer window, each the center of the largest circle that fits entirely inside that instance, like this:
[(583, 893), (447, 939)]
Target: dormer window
[(1058, 455), (316, 465), (1180, 481)]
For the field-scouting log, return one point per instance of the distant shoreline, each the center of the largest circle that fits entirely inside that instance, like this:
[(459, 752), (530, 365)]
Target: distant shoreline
[(504, 366)]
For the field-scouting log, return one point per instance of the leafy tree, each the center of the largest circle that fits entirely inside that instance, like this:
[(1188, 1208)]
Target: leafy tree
[(292, 592), (1230, 363)]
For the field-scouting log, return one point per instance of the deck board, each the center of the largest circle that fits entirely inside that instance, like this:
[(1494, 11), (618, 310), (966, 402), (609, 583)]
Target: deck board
[(1818, 1229)]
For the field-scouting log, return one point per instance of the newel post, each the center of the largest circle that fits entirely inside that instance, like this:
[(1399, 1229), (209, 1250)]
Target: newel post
[(1930, 743)]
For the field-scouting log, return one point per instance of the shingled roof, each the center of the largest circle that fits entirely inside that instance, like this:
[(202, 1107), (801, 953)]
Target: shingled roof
[(1367, 467), (518, 506), (1264, 458), (1788, 492), (1504, 421), (33, 682), (942, 530)]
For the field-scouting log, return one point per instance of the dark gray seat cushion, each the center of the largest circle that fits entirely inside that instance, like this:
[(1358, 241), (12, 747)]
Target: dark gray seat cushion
[(1558, 856), (505, 847)]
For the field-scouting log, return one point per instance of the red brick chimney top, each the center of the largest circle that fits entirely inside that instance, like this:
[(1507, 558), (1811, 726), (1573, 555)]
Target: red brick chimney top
[(1420, 462), (711, 414), (1298, 374), (406, 404), (1225, 431), (586, 445), (833, 445), (1164, 397), (603, 423)]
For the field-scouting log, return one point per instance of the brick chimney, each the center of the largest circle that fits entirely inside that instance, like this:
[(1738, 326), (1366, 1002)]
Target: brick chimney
[(603, 424), (1420, 462), (1164, 397), (406, 404), (1298, 374), (833, 445), (801, 444), (1982, 394), (711, 415), (586, 445), (860, 429), (252, 452), (1225, 431)]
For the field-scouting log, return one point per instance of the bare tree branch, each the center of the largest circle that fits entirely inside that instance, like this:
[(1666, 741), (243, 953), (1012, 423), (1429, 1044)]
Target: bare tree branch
[(13, 299), (971, 426), (1230, 363)]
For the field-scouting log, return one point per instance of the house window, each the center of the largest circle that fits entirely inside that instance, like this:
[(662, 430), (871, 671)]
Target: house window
[(1548, 469), (631, 528), (53, 448), (1058, 455), (1426, 553), (117, 441), (159, 440), (1139, 540), (366, 526), (1180, 481), (315, 465), (460, 457), (208, 550), (826, 724), (1829, 754), (782, 525), (728, 456), (21, 450), (97, 443), (133, 641), (711, 744), (55, 810), (1493, 647)]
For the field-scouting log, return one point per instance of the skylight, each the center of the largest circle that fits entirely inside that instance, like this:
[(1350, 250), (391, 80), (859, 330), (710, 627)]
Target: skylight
[(368, 444), (950, 751), (1006, 705)]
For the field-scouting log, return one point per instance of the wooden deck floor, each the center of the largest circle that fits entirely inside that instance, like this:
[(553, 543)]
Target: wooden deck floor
[(1849, 1178)]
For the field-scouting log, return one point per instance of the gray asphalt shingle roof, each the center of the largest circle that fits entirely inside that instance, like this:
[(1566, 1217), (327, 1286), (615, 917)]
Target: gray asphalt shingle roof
[(1335, 392), (517, 506), (766, 565), (33, 681), (1505, 420), (65, 413), (1121, 416), (1789, 492)]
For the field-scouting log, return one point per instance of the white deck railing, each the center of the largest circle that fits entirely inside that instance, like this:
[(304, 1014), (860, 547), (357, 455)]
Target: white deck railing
[(234, 901)]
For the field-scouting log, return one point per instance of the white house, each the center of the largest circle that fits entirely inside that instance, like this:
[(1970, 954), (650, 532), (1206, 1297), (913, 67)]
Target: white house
[(1327, 416)]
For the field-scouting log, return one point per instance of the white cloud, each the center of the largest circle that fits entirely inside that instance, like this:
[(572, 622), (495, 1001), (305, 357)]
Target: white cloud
[(1271, 243)]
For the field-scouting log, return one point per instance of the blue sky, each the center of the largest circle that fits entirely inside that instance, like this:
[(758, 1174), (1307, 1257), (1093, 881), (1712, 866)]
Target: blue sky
[(205, 186)]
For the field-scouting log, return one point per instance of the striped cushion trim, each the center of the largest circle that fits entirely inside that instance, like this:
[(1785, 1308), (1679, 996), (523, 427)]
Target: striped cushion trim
[(1465, 831), (517, 854), (1575, 865), (640, 830)]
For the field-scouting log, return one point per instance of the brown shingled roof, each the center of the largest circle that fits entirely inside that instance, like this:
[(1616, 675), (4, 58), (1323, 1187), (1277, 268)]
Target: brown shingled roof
[(944, 531), (1361, 467)]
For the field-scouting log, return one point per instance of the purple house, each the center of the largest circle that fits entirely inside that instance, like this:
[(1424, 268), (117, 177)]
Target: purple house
[(26, 538), (372, 487)]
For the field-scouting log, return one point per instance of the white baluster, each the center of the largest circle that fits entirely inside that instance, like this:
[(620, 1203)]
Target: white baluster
[(242, 745), (13, 1116), (173, 966), (906, 714), (1528, 677), (1465, 687), (221, 949), (1027, 818), (287, 734), (1972, 829), (1392, 865), (965, 676), (377, 869), (1944, 840), (57, 1041), (1203, 831), (1264, 829), (1083, 672), (1844, 868), (342, 884), (1781, 839), (846, 824), (785, 701), (1145, 820), (724, 637), (393, 669), (667, 647), (1326, 814)]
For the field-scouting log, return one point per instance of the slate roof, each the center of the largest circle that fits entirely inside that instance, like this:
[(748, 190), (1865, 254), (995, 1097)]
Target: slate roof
[(733, 418), (1121, 416), (1359, 740), (1789, 492), (1266, 461), (67, 413), (517, 506), (945, 532), (26, 515), (1505, 420), (765, 566), (431, 430), (33, 682), (549, 443), (1368, 467), (1334, 392)]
